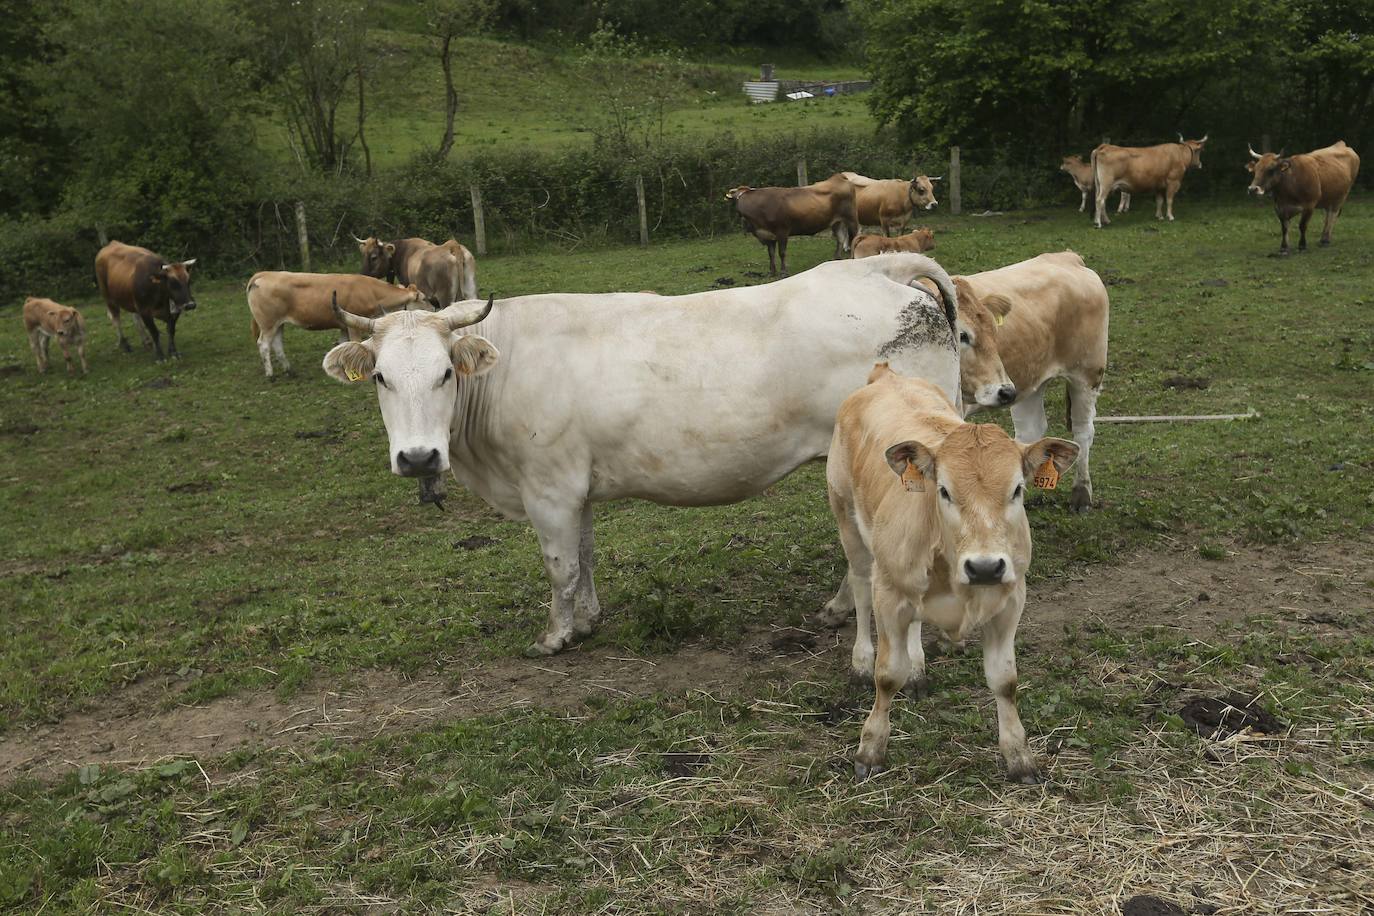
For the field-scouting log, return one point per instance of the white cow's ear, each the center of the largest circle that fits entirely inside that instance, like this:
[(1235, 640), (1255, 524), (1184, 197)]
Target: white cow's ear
[(1061, 452), (473, 355), (350, 362), (912, 462)]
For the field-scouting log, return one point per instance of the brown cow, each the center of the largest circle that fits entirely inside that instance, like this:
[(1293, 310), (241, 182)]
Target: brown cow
[(867, 245), (888, 202), (445, 273), (932, 518), (1082, 174), (134, 279), (1302, 183), (1140, 169), (277, 298), (44, 320), (773, 215)]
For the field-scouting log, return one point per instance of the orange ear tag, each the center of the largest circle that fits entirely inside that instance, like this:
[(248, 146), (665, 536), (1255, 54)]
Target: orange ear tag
[(1047, 475), (913, 479), (354, 375)]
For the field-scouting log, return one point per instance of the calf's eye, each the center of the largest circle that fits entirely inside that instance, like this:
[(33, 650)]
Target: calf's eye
[(1018, 492), (944, 494)]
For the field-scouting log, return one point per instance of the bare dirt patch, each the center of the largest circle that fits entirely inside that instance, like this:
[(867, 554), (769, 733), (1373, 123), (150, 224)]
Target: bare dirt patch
[(1317, 588)]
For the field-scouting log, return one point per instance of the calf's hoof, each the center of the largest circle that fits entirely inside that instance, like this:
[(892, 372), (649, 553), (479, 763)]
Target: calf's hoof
[(1081, 500), (864, 771)]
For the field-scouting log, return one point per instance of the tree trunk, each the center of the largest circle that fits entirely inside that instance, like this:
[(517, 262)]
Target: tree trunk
[(362, 116), (450, 94)]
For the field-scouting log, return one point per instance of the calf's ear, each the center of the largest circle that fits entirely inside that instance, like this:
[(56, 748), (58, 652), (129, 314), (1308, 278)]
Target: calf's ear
[(913, 462), (1060, 452), (472, 354), (350, 362)]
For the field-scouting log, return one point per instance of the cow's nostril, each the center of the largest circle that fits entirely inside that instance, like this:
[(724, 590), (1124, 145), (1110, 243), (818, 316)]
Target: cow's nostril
[(1006, 394), (985, 571)]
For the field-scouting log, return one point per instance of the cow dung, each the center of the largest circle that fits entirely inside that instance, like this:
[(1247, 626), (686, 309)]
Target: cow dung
[(1185, 381), (1145, 905), (162, 382), (473, 542), (724, 281), (791, 639), (683, 764), (1222, 717)]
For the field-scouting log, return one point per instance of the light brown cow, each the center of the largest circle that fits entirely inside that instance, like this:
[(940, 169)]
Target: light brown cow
[(867, 245), (277, 298), (983, 380), (445, 273), (1054, 326), (888, 202), (933, 522), (1082, 174), (1141, 169), (773, 215), (1302, 183), (44, 320)]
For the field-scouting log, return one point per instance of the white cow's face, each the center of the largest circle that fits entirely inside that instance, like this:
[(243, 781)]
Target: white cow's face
[(414, 360)]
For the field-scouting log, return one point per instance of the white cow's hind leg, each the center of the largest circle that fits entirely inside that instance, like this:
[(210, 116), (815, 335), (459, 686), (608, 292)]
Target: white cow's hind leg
[(1082, 411), (1028, 416), (586, 608), (999, 666), (558, 526)]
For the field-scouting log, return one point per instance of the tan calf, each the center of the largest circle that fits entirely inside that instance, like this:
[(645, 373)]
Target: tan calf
[(920, 241), (1082, 174), (888, 202), (932, 518), (44, 320), (277, 298)]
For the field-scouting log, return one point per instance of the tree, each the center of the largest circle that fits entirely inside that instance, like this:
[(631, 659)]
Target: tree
[(451, 19), (33, 158), (634, 87)]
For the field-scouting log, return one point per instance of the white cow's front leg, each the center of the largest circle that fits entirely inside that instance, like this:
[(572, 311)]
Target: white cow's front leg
[(559, 529), (999, 666), (1082, 411)]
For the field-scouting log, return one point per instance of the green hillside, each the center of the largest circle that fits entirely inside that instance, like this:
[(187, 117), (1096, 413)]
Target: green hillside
[(531, 97)]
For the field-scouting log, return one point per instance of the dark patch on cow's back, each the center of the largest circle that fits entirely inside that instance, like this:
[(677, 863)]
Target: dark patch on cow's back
[(921, 324)]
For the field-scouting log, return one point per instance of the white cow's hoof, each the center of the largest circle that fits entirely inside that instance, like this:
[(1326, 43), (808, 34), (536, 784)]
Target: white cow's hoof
[(1081, 500), (864, 771), (545, 646), (1024, 776)]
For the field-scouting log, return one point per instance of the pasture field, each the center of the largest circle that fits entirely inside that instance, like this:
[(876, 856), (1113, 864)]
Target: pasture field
[(242, 668)]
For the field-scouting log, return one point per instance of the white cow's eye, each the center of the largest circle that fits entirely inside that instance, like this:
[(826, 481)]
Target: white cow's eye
[(377, 377), (448, 374)]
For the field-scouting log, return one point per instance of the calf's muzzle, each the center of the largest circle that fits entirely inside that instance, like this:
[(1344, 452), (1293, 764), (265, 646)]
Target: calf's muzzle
[(985, 570)]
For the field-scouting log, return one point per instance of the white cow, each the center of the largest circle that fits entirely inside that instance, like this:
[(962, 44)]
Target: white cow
[(682, 400)]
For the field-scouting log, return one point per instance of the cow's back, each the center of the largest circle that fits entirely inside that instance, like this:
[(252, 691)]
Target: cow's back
[(888, 195), (1337, 166), (123, 273)]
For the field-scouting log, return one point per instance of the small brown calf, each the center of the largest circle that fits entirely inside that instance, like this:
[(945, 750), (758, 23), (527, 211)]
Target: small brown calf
[(868, 244), (932, 518), (44, 320)]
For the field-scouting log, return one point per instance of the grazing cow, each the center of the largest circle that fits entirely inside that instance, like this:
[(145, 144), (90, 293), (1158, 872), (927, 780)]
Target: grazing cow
[(277, 298), (932, 518), (134, 279), (920, 241), (44, 320), (773, 215), (1141, 169), (445, 273), (1082, 174), (690, 400), (1302, 183), (888, 202)]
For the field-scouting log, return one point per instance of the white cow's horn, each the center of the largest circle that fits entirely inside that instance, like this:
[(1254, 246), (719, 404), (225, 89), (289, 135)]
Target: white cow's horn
[(348, 319), (1253, 154), (936, 178), (461, 321), (1180, 139)]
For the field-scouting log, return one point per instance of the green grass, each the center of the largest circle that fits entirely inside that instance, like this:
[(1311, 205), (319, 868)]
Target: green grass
[(521, 96), (194, 517)]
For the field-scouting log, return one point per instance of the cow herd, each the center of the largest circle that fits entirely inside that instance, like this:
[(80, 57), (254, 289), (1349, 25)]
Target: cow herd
[(545, 405)]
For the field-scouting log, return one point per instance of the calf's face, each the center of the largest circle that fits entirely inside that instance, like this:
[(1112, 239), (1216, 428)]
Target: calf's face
[(414, 360), (983, 380), (980, 476)]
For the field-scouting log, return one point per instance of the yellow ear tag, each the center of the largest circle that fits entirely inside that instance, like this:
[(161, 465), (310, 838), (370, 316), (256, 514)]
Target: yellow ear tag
[(999, 319), (1047, 475), (353, 374), (913, 479)]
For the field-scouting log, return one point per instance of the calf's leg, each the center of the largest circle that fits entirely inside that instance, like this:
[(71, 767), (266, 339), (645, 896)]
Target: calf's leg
[(999, 666), (38, 342), (858, 583), (66, 356), (890, 673)]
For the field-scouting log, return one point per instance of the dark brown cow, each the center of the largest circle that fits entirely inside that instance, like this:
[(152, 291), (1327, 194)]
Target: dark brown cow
[(1140, 169), (1302, 183), (134, 279), (773, 215), (445, 273)]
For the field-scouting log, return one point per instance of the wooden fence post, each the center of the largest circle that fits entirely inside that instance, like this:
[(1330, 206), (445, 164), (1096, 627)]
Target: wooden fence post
[(479, 220), (801, 174), (956, 201), (102, 235), (643, 212), (302, 237)]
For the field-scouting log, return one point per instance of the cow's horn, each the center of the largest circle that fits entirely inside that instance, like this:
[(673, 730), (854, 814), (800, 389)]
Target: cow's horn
[(1204, 139), (1180, 139), (166, 267), (348, 319), (461, 321), (936, 178), (1253, 154), (358, 240), (188, 262)]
